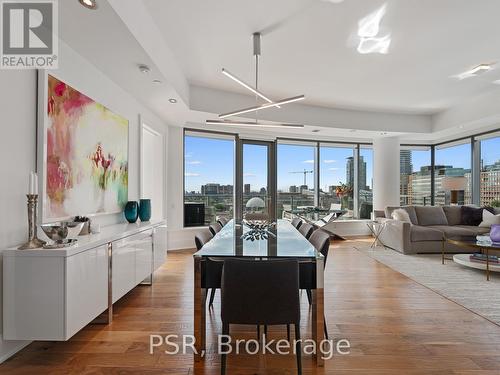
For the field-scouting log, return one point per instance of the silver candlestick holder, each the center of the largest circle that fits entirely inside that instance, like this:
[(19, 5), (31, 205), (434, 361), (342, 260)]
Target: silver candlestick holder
[(33, 241)]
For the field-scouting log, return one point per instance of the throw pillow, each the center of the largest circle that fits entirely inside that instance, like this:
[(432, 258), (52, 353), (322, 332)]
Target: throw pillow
[(489, 219), (401, 215), (472, 215)]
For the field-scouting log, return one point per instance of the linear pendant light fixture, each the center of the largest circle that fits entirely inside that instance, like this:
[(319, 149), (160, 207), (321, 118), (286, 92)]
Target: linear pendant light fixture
[(258, 94), (253, 124)]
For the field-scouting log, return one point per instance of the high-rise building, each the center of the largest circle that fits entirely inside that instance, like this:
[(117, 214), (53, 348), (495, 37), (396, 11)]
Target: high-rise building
[(216, 189), (210, 189), (405, 170), (490, 184), (405, 162), (293, 189), (419, 191), (361, 173), (246, 189)]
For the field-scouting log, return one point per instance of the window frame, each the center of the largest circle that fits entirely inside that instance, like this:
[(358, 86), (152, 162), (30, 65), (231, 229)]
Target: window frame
[(202, 133)]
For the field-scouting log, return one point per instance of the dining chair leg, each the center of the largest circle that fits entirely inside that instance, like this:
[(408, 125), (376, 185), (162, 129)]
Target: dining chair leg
[(288, 332), (265, 330), (223, 359), (298, 349), (258, 332), (212, 296), (309, 296), (326, 328)]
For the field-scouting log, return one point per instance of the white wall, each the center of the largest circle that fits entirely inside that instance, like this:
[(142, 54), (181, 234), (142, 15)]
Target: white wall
[(385, 172), (18, 141)]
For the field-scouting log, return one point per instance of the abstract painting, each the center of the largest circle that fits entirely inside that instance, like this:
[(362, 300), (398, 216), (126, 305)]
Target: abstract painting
[(86, 157)]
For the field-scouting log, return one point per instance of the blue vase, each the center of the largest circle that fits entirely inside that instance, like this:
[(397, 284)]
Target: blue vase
[(131, 211), (145, 209)]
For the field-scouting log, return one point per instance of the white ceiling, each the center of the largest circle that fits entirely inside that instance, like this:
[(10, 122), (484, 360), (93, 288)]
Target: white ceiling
[(307, 49)]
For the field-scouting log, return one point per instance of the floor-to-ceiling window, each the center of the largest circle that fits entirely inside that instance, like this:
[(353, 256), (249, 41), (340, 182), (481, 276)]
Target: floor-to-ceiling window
[(415, 175), (336, 180), (295, 176), (490, 171), (208, 177), (256, 197), (452, 161), (365, 182)]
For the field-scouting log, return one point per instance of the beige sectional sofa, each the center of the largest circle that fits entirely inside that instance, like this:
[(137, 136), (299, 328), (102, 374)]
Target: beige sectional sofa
[(425, 233)]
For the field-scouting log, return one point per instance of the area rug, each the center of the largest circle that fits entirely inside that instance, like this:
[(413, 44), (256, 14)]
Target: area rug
[(466, 286)]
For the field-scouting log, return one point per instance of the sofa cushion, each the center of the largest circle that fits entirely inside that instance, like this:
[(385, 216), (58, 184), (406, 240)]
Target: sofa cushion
[(420, 233), (473, 215), (489, 219), (401, 215), (431, 215), (410, 209), (476, 230), (454, 231), (453, 214)]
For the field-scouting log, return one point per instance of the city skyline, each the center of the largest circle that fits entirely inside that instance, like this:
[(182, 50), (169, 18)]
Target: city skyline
[(203, 158)]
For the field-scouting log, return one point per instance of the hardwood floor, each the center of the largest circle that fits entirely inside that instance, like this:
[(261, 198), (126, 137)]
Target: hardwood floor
[(394, 325)]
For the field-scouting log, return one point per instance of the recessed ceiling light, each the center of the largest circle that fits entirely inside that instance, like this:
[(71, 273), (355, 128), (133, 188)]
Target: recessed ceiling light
[(144, 68), (172, 100), (477, 70), (383, 133), (89, 4), (156, 81)]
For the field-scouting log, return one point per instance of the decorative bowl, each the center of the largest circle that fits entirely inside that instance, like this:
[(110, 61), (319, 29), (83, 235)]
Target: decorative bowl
[(55, 231), (74, 228)]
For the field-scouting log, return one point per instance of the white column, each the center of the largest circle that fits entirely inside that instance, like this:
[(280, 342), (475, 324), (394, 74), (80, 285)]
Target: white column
[(385, 172)]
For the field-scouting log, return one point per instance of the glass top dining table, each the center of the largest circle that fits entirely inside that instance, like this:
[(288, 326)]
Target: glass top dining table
[(283, 241)]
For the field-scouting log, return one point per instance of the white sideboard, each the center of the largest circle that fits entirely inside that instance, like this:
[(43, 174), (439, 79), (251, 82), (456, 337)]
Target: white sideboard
[(52, 294)]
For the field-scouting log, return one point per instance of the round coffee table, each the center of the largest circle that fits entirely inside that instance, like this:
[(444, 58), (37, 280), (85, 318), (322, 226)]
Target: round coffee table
[(464, 260), (471, 243)]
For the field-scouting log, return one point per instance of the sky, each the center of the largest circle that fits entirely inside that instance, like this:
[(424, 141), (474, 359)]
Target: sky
[(212, 160)]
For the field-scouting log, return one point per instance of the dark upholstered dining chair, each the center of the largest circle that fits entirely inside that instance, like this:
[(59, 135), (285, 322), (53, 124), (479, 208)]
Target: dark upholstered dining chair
[(297, 222), (222, 221), (307, 271), (201, 238), (215, 228), (306, 230), (211, 269), (261, 292)]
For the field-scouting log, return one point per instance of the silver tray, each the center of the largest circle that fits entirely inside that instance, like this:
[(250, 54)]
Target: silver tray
[(61, 243)]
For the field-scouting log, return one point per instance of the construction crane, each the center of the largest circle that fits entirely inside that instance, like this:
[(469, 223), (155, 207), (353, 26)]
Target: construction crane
[(305, 172)]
